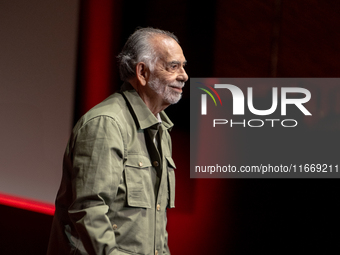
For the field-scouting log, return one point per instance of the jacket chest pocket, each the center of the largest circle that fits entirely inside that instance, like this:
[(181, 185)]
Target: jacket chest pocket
[(171, 181), (138, 182)]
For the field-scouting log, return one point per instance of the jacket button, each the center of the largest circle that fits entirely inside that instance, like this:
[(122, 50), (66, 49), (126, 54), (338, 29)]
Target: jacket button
[(158, 207), (140, 164), (155, 163), (114, 226)]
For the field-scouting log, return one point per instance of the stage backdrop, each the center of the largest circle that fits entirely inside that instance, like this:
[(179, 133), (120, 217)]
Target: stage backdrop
[(37, 75)]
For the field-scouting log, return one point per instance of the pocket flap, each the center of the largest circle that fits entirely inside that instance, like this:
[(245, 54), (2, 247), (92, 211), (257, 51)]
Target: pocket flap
[(171, 162), (138, 161)]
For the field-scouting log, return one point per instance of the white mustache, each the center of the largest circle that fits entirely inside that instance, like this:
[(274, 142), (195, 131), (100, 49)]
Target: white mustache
[(177, 84)]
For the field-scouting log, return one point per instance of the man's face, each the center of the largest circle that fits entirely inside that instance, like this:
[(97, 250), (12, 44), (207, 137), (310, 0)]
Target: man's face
[(169, 76)]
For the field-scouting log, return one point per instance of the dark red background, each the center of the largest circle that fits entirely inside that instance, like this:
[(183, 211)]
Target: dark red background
[(267, 38)]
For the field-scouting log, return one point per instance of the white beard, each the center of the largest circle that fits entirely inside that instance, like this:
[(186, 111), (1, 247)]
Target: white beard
[(162, 88)]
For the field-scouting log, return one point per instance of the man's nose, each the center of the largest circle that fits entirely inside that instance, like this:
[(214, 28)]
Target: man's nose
[(182, 76)]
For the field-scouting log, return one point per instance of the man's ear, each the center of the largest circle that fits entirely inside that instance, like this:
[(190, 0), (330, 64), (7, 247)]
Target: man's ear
[(142, 73)]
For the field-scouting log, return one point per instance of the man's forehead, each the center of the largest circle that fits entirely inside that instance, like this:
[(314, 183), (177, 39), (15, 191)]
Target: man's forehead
[(168, 49)]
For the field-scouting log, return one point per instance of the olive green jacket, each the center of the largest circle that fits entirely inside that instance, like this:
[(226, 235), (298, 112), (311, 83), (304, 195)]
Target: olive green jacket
[(116, 184)]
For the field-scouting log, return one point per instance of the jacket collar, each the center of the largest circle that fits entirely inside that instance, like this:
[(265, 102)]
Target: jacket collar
[(143, 116)]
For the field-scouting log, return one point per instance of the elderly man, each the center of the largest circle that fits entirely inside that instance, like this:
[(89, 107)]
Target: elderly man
[(118, 173)]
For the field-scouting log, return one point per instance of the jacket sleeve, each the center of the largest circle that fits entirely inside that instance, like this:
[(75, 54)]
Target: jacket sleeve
[(97, 154)]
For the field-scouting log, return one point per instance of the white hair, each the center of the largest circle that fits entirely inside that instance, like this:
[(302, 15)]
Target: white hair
[(139, 49)]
